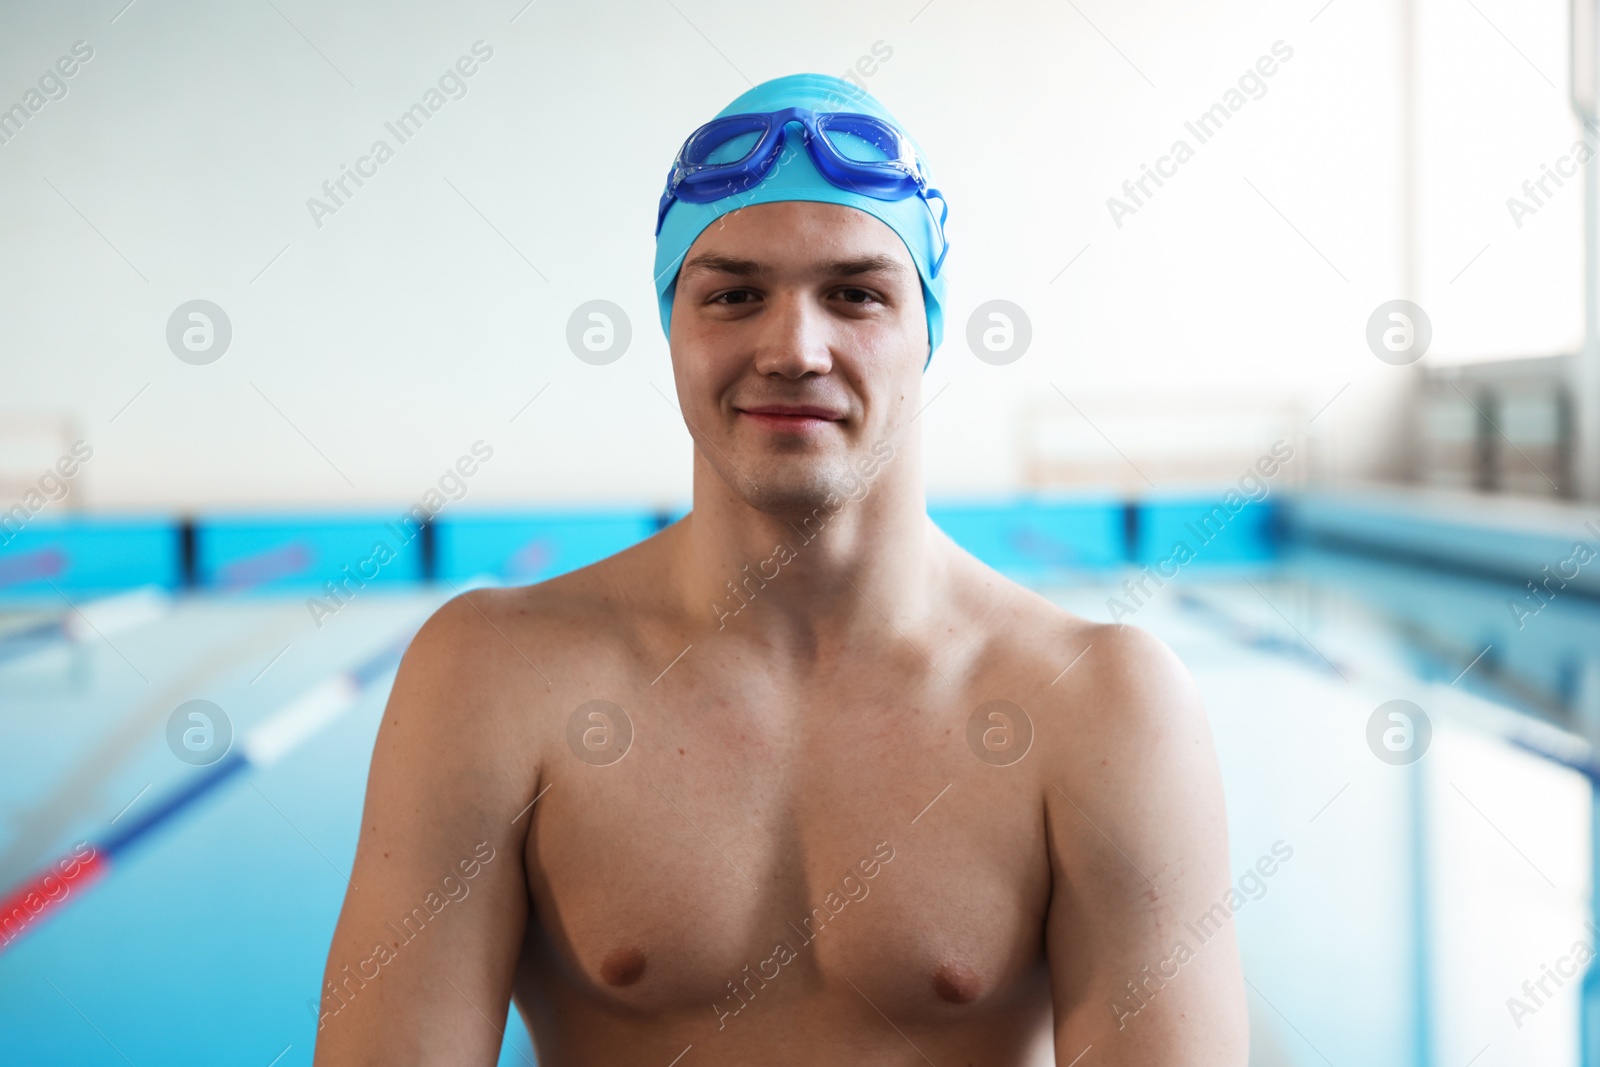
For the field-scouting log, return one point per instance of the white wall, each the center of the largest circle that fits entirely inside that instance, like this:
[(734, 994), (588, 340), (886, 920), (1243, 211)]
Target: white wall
[(1493, 92), (405, 327)]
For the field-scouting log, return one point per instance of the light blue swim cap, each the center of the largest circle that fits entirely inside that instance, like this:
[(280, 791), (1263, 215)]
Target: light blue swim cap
[(796, 178)]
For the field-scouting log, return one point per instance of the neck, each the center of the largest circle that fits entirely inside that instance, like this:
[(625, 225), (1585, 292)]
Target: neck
[(813, 580)]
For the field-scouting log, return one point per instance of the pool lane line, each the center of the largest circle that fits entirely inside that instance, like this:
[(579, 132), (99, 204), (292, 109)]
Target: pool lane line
[(101, 617), (1261, 638), (46, 891), (1520, 730), (117, 612), (77, 792)]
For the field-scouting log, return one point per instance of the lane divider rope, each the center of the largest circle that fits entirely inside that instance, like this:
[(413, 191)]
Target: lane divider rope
[(269, 741)]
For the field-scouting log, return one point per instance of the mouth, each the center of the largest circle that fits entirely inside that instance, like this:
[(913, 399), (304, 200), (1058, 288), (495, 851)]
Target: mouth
[(791, 418)]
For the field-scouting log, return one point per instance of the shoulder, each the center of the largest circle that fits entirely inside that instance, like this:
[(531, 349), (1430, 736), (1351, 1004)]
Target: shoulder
[(484, 662), (1132, 671), (1110, 667), (1037, 637), (471, 641), (1125, 734), (1124, 700), (480, 637), (1108, 696), (502, 662), (453, 699)]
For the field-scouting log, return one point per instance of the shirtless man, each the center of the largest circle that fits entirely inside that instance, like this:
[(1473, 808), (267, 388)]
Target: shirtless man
[(796, 780)]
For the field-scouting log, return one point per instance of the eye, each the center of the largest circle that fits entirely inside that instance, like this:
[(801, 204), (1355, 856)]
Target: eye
[(854, 295), (733, 297)]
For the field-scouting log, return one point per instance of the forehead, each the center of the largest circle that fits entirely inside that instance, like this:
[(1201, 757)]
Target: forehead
[(800, 236)]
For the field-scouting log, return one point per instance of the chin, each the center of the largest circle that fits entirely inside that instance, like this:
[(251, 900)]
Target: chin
[(795, 488)]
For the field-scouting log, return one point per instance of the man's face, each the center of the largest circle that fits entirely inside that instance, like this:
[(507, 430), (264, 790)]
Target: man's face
[(798, 341)]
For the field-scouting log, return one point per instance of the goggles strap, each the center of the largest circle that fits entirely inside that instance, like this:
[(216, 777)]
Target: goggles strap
[(930, 193)]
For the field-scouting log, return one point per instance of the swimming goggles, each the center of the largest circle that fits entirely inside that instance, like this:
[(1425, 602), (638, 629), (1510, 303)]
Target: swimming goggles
[(859, 153)]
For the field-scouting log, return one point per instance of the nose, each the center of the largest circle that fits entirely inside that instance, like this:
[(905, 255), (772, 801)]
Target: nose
[(794, 337)]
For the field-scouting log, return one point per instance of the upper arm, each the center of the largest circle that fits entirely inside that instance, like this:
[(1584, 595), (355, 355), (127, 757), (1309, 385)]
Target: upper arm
[(1139, 855), (422, 960)]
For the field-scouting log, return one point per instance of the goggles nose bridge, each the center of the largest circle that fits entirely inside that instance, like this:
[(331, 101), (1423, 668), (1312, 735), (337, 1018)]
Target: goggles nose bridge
[(793, 120)]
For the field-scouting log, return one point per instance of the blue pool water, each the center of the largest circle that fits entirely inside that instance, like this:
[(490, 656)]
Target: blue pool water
[(206, 945)]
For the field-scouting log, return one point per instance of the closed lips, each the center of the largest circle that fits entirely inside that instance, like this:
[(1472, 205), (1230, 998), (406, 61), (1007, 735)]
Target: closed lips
[(799, 411)]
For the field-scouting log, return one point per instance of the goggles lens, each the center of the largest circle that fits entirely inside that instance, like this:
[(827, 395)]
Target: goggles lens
[(726, 142), (861, 139)]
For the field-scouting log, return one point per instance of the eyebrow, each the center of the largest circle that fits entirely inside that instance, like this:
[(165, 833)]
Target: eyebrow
[(871, 264), (717, 263)]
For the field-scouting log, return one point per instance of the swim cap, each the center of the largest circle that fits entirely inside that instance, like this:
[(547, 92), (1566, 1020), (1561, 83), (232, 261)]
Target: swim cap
[(795, 177)]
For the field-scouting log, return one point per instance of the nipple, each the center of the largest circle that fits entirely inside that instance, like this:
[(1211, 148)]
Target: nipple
[(623, 967), (957, 983)]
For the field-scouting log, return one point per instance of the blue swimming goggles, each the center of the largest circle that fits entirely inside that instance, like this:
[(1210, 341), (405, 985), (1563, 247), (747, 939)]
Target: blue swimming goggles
[(859, 153)]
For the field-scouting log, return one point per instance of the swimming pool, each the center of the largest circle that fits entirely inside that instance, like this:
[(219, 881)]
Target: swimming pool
[(205, 943)]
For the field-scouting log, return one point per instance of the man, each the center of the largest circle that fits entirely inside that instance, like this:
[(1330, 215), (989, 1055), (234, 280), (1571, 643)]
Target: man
[(796, 780)]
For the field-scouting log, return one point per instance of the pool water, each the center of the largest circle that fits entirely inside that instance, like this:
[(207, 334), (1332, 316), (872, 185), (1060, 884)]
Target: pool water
[(1416, 899)]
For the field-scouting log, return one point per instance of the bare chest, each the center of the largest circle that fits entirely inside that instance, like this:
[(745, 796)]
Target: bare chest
[(734, 853)]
